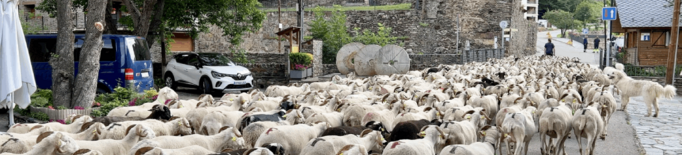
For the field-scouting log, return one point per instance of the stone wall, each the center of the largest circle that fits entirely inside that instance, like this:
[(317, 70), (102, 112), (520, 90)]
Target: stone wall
[(661, 80), (523, 42), (330, 68), (429, 29), (314, 3), (419, 62), (266, 74)]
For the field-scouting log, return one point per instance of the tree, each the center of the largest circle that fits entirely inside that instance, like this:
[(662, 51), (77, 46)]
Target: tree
[(88, 69), (588, 12), (566, 5), (62, 61), (67, 92), (333, 33), (561, 19)]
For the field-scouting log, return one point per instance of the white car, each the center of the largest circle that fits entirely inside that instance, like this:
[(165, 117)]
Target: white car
[(209, 72)]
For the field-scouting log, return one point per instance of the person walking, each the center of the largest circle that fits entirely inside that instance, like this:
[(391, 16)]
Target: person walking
[(549, 48), (585, 44), (596, 44)]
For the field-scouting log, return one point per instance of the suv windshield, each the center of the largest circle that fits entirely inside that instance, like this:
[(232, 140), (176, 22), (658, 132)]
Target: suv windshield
[(214, 59)]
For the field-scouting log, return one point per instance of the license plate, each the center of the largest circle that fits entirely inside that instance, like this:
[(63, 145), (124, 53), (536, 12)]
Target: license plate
[(145, 74), (239, 83)]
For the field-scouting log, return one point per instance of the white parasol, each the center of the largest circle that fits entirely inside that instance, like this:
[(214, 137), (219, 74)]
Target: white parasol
[(16, 81)]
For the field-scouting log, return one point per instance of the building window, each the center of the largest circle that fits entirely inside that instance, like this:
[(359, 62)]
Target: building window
[(646, 36), (30, 9)]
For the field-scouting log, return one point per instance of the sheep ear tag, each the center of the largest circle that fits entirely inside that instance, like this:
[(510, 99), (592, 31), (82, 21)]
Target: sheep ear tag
[(574, 100), (563, 100), (469, 117), (483, 132), (422, 134), (234, 138), (231, 99), (505, 135), (285, 116), (179, 123), (437, 113)]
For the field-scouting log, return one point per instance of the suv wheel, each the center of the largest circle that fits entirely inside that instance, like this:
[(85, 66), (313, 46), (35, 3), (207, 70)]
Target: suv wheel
[(170, 81), (205, 86)]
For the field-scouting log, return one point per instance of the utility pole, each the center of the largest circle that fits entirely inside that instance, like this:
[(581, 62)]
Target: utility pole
[(670, 70), (279, 25)]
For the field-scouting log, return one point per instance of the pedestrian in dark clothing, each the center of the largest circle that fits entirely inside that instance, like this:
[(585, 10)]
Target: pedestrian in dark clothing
[(549, 48), (585, 44), (596, 44)]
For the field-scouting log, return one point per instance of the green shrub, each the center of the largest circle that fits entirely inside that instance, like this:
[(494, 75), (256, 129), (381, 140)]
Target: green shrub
[(381, 37), (239, 56), (159, 83), (108, 106), (39, 116), (332, 32), (300, 58), (41, 98)]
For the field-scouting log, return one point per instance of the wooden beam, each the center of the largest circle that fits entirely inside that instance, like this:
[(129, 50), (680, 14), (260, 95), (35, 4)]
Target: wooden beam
[(670, 70)]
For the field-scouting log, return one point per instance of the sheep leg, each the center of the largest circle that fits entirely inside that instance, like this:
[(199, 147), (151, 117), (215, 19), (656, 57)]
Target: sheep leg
[(655, 102), (561, 145), (580, 144), (593, 144), (624, 102), (525, 147)]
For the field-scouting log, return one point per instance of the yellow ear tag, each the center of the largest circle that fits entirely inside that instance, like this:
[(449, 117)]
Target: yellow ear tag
[(563, 100), (340, 153), (382, 129), (469, 117), (59, 143), (448, 84), (505, 135), (94, 131), (603, 106), (179, 123), (234, 138), (533, 111), (231, 99), (483, 132), (285, 116), (433, 78), (370, 88), (415, 96), (179, 105), (574, 100), (437, 113), (482, 117)]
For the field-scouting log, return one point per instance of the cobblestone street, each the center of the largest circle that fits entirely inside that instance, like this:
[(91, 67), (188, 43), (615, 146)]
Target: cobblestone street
[(660, 135)]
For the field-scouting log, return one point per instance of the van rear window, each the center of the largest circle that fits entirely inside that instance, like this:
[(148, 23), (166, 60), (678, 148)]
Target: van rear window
[(108, 50), (138, 49)]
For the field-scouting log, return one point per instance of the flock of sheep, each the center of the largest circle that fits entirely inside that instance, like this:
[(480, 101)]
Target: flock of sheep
[(474, 108)]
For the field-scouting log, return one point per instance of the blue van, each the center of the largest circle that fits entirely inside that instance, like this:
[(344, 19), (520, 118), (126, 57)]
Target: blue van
[(125, 61)]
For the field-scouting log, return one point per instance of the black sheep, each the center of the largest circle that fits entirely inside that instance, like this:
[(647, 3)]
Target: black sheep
[(248, 119), (409, 129), (343, 130), (432, 70), (276, 149), (159, 112)]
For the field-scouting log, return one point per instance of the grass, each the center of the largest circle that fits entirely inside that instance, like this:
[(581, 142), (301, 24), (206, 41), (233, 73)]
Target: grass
[(404, 6)]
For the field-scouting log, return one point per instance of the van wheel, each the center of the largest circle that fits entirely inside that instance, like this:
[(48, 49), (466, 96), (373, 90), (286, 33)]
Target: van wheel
[(170, 81), (205, 86)]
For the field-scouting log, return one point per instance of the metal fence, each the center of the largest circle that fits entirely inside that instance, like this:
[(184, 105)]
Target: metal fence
[(650, 71), (481, 55)]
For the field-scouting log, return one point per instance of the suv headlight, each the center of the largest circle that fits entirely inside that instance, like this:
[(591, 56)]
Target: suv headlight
[(218, 75)]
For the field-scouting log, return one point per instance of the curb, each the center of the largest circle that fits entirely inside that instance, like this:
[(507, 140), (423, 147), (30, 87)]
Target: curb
[(638, 142)]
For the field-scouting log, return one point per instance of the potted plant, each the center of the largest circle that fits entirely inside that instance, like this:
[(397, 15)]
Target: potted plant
[(298, 62), (309, 71)]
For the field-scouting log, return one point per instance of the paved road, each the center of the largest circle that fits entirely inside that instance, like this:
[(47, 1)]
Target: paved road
[(564, 49)]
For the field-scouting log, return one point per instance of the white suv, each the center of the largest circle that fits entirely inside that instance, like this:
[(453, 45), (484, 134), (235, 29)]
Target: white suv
[(209, 72)]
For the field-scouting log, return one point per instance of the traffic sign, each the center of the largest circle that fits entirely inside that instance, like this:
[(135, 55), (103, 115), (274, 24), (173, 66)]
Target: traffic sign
[(608, 13), (586, 31), (503, 24)]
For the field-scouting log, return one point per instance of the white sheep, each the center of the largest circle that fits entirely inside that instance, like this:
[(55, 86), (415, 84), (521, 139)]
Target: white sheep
[(73, 127), (432, 142), (292, 138), (587, 123), (134, 134), (334, 119), (369, 139), (463, 132), (520, 128), (607, 106), (487, 147), (352, 149), (195, 116), (56, 143), (176, 127), (21, 143), (213, 121), (189, 150), (228, 137), (555, 122), (91, 133), (254, 130)]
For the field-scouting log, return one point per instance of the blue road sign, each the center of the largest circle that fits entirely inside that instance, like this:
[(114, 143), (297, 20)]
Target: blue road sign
[(608, 13)]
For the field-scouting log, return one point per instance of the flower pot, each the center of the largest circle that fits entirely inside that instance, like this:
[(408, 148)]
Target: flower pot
[(57, 114), (310, 72), (297, 74)]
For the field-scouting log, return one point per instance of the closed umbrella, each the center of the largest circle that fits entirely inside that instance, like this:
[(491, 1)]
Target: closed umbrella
[(16, 79)]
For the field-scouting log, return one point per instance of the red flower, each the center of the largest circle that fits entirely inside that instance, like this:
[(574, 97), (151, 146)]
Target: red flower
[(50, 107)]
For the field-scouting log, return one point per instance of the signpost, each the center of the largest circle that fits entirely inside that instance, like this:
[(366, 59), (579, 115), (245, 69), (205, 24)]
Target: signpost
[(586, 31), (503, 25), (608, 13)]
